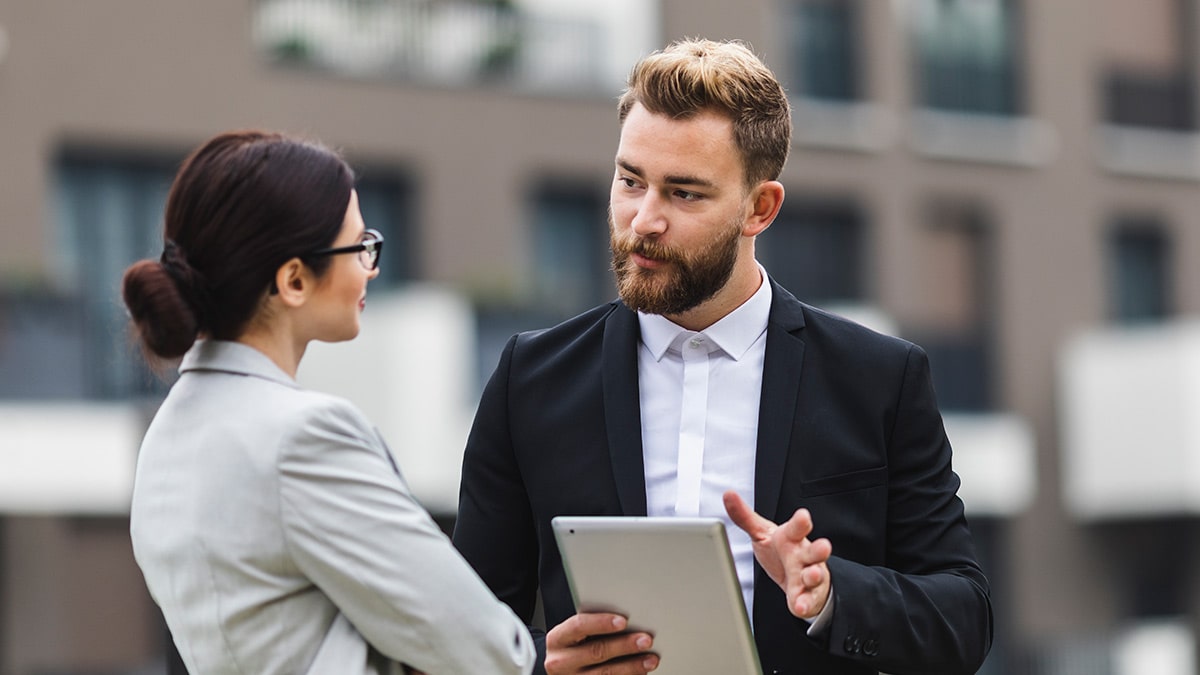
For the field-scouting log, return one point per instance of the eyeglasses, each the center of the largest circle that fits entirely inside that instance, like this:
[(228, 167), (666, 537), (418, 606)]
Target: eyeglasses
[(368, 250)]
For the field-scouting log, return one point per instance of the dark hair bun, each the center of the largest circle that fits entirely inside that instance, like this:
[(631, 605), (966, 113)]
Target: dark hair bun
[(165, 319)]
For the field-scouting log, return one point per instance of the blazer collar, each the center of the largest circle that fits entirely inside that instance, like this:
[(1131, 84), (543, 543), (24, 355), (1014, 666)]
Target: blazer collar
[(233, 357), (622, 410), (780, 392)]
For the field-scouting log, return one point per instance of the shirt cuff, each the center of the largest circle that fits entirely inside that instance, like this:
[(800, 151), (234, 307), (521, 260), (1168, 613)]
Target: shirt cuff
[(821, 621)]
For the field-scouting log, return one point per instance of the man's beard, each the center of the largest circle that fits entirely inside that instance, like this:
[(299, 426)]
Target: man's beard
[(684, 283)]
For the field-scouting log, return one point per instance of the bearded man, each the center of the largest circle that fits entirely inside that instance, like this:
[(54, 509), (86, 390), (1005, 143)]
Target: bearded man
[(709, 390)]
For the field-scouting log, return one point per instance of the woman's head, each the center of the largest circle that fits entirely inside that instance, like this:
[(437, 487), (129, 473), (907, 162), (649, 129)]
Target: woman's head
[(242, 205)]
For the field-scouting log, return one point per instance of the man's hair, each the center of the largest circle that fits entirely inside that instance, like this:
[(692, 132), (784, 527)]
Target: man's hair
[(694, 75)]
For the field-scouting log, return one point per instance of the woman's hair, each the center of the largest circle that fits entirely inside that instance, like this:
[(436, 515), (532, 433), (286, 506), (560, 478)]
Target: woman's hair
[(242, 205), (694, 75)]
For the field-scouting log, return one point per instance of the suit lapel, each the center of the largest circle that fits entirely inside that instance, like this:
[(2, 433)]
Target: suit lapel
[(780, 390), (622, 410)]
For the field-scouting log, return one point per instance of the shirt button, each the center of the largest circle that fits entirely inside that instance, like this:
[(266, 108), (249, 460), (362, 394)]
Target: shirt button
[(695, 342)]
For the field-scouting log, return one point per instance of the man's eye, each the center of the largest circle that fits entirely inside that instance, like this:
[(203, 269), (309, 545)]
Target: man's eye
[(687, 196)]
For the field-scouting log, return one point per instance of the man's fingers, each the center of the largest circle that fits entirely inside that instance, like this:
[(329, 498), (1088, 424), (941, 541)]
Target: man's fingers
[(820, 550), (596, 639), (744, 517), (583, 626), (604, 654), (798, 527), (808, 595)]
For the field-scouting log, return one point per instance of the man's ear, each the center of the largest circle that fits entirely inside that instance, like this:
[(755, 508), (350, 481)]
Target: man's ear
[(293, 281), (765, 201)]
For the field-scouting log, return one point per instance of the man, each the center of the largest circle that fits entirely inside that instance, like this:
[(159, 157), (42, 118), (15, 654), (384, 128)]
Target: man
[(709, 387)]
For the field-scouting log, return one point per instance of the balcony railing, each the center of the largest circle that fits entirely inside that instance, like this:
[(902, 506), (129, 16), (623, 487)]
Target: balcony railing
[(455, 43)]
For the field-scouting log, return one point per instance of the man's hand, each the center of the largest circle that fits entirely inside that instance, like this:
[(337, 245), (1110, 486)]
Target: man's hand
[(594, 643), (787, 556)]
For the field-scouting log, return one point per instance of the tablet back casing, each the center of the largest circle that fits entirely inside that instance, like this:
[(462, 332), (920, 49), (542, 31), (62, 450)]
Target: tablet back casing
[(672, 577)]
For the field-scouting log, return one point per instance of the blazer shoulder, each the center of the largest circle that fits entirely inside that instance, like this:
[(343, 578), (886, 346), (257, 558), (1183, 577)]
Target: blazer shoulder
[(572, 333), (306, 411), (838, 334)]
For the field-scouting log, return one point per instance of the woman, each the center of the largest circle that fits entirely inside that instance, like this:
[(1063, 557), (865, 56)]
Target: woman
[(271, 524)]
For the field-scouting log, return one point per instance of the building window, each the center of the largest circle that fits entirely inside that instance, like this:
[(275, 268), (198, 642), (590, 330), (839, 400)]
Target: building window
[(570, 247), (815, 250), (955, 321), (1140, 287), (966, 55), (823, 42), (388, 204), (1149, 48), (109, 214), (570, 271)]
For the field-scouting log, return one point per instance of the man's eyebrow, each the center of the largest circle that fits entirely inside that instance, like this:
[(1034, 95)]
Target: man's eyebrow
[(681, 179)]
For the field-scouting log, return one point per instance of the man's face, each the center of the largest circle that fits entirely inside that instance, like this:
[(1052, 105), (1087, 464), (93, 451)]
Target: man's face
[(676, 211)]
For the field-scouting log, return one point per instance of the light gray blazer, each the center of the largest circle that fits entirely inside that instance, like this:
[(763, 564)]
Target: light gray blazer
[(277, 535)]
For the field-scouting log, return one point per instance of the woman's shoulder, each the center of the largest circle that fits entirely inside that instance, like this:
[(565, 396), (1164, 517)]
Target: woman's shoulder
[(309, 409)]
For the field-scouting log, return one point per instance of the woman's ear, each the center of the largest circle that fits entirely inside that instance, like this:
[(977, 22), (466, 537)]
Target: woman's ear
[(294, 282)]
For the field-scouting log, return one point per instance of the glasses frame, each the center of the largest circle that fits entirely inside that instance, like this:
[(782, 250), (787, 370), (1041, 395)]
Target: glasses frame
[(373, 246)]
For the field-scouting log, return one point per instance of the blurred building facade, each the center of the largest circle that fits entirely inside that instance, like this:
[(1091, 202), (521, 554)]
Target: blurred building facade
[(1010, 183)]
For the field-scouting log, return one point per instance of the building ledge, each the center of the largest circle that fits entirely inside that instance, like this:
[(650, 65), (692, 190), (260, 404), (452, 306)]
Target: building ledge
[(1149, 153), (988, 139), (994, 455), (1131, 437), (68, 458), (856, 126)]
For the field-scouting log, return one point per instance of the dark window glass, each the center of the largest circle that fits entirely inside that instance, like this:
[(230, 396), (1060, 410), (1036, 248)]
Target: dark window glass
[(823, 41), (1149, 78), (966, 55), (815, 250), (569, 271), (387, 202), (570, 250), (1140, 281), (958, 265), (109, 214), (1149, 100)]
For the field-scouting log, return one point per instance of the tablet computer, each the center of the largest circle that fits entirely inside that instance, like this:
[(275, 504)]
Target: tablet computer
[(671, 577)]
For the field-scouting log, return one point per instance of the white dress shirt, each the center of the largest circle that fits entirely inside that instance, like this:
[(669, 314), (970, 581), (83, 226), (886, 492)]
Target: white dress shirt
[(699, 395)]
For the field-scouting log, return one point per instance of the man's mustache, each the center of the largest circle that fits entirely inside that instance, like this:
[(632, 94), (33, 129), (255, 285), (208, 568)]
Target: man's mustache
[(647, 248)]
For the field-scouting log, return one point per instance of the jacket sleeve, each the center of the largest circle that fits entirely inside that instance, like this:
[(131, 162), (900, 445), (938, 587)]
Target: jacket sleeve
[(495, 530), (353, 528), (926, 610)]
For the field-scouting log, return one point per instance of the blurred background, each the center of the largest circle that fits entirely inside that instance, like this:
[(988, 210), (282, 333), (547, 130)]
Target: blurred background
[(1010, 183)]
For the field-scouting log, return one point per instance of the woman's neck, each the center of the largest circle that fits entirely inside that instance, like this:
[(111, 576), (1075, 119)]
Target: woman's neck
[(277, 343)]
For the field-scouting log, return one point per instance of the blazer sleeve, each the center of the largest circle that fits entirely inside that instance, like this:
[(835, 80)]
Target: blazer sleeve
[(926, 610), (495, 529), (353, 528)]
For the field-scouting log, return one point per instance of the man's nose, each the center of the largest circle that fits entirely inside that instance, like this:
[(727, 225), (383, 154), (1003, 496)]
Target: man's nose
[(650, 219)]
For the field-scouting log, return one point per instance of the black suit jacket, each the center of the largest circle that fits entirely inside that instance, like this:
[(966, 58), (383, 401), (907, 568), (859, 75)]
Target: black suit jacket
[(848, 428)]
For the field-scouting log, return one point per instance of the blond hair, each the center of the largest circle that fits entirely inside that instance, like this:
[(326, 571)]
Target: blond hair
[(693, 75)]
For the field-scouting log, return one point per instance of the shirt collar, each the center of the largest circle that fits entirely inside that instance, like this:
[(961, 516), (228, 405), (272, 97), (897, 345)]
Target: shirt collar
[(233, 357), (734, 334)]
